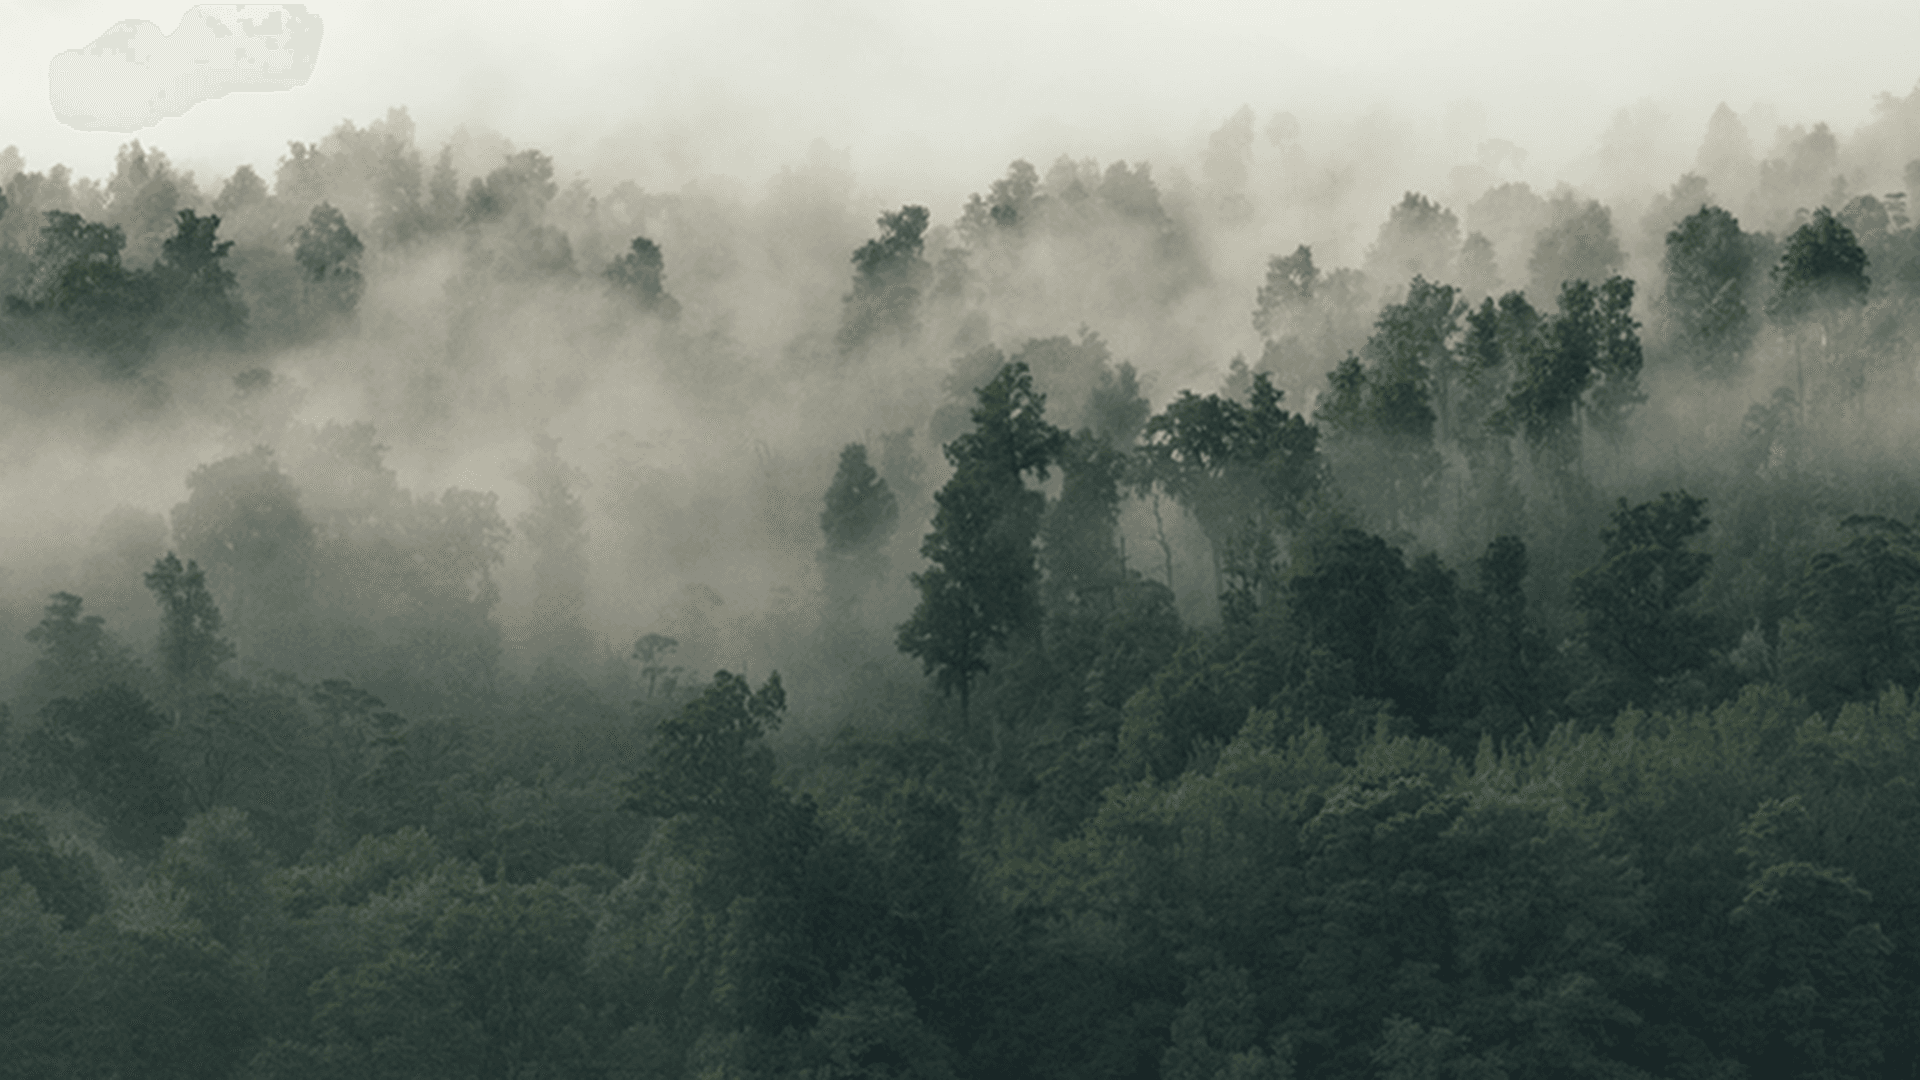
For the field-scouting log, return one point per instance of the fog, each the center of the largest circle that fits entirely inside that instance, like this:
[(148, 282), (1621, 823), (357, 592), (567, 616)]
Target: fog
[(1069, 540), (756, 146)]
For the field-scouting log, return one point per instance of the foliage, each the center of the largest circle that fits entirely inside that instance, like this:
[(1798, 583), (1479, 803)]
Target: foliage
[(1711, 268), (329, 253), (639, 277), (191, 648), (889, 279), (983, 585), (1822, 268)]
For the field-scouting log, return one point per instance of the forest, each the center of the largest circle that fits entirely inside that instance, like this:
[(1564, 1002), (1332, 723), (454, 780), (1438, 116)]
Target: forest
[(1227, 618)]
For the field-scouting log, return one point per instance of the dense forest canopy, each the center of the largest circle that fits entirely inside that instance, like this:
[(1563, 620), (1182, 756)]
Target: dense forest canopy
[(474, 623)]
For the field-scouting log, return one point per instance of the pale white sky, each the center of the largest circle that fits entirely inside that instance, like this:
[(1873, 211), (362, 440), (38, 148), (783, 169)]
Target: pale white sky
[(943, 94)]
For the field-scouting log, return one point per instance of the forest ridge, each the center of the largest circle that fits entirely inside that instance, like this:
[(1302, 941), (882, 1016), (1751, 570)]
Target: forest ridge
[(817, 644)]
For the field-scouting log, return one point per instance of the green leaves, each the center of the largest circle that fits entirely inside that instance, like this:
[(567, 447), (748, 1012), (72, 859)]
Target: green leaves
[(889, 279), (1634, 599), (984, 583), (708, 760), (1823, 268), (1710, 268), (861, 510)]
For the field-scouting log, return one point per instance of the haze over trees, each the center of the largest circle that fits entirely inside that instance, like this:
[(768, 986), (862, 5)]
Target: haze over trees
[(1249, 616)]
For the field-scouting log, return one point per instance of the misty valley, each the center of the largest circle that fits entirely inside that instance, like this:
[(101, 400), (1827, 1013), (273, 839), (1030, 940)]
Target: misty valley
[(1232, 617)]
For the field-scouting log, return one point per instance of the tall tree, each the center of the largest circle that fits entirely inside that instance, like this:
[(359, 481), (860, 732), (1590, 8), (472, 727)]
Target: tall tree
[(94, 304), (889, 278), (1577, 245), (640, 276), (76, 652), (1710, 269), (983, 584), (1822, 270), (1420, 238), (191, 647), (1242, 471), (1586, 364), (329, 256), (1380, 414), (1637, 619), (858, 519), (200, 297), (105, 746)]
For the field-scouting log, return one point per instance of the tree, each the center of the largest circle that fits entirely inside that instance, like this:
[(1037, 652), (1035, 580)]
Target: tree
[(858, 519), (1577, 246), (95, 303), (1242, 471), (66, 881), (1854, 631), (1286, 295), (76, 652), (198, 294), (983, 585), (860, 509), (710, 759), (1822, 271), (1500, 683), (1010, 205), (889, 278), (242, 520), (191, 648), (1634, 601), (1585, 364), (1420, 238), (640, 275), (1710, 269), (518, 191), (329, 256), (1381, 412), (105, 746)]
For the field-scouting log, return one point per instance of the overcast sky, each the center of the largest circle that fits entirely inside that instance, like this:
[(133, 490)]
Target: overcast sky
[(944, 93)]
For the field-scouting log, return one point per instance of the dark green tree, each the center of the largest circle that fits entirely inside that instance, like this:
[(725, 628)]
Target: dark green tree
[(861, 510), (1710, 268), (199, 296), (328, 253), (1243, 471), (77, 654), (984, 582), (93, 303), (191, 648), (105, 748), (639, 276), (859, 517), (1502, 679), (1822, 270), (1384, 405), (66, 881), (889, 279), (1856, 623), (1635, 602), (1586, 364)]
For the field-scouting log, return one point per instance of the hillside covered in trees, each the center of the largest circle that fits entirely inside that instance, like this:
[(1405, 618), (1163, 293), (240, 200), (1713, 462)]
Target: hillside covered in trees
[(1137, 623)]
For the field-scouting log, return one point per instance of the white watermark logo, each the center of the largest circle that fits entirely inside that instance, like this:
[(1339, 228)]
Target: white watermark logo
[(134, 76)]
